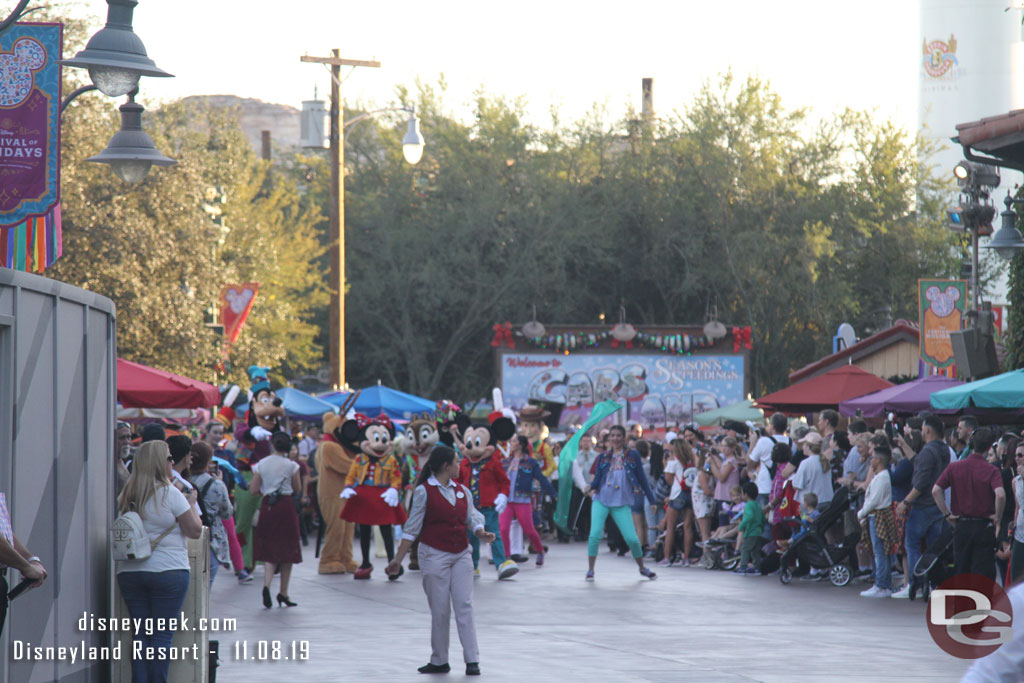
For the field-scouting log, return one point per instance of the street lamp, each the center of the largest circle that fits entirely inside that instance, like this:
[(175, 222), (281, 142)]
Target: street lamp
[(412, 143), (1007, 241), (412, 150), (131, 152), (115, 56)]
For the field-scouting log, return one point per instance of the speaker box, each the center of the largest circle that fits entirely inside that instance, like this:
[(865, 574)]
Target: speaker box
[(974, 352)]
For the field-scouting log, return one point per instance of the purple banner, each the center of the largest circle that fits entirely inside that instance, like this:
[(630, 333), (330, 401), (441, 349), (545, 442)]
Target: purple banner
[(30, 92)]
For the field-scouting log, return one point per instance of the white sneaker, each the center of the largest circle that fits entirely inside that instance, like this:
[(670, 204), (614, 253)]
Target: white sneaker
[(870, 592), (902, 594)]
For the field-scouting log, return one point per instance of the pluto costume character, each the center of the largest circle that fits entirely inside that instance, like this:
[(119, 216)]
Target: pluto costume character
[(262, 420), (334, 459), (372, 485)]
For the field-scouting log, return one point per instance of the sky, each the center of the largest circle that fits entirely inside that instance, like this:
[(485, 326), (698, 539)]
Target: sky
[(560, 54)]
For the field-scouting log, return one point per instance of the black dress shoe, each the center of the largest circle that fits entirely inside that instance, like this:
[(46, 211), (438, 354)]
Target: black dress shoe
[(434, 669), (266, 597), (472, 669)]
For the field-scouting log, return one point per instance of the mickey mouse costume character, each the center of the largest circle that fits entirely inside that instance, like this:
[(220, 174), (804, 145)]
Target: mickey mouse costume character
[(485, 477), (372, 484)]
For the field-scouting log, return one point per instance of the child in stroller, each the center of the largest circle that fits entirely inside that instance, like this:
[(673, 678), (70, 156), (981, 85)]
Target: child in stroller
[(720, 551), (811, 550)]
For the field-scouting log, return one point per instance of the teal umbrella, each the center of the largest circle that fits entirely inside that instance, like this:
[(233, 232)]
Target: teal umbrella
[(1004, 391), (739, 412)]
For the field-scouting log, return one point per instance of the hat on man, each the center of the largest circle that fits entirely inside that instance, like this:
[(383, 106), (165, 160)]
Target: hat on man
[(532, 413), (153, 432)]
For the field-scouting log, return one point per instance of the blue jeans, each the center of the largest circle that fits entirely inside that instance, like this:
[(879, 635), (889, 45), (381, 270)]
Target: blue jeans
[(214, 566), (883, 561), (922, 524), (153, 595), (654, 518), (497, 548)]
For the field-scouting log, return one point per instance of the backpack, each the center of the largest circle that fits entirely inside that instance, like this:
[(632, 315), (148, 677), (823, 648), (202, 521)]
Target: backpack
[(779, 448), (206, 516), (129, 538)]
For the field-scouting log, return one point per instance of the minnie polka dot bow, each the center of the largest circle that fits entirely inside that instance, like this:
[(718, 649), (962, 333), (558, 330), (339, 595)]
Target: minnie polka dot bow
[(365, 421)]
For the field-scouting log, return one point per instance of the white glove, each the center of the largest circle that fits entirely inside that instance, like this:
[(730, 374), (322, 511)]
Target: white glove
[(390, 497), (500, 501), (347, 493), (259, 433)]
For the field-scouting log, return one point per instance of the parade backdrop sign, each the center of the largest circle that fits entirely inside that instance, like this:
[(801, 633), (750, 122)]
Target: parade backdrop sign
[(235, 305), (655, 390), (942, 304), (30, 97)]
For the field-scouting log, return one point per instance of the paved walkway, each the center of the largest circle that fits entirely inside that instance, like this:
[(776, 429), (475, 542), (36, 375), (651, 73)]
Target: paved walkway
[(549, 624)]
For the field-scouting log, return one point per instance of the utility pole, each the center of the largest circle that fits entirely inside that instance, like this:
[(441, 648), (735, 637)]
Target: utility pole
[(336, 213)]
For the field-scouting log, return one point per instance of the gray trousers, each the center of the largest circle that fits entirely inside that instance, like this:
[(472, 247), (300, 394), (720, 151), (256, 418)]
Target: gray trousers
[(448, 583)]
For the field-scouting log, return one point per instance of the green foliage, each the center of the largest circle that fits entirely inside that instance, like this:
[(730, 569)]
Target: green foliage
[(791, 227), (155, 251)]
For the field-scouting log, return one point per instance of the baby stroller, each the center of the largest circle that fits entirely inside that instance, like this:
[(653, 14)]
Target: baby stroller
[(720, 554), (934, 566), (813, 550)]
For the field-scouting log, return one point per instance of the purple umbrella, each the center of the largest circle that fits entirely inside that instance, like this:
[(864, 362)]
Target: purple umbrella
[(908, 398)]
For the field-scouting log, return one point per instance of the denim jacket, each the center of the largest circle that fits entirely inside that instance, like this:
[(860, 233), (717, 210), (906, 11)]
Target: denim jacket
[(634, 473), (530, 470)]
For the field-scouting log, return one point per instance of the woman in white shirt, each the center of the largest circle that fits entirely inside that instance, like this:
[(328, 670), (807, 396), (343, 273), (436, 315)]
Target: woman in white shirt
[(154, 588), (276, 538)]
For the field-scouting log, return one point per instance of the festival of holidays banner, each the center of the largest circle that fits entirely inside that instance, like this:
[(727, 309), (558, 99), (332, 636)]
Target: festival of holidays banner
[(655, 389), (942, 304), (30, 97)]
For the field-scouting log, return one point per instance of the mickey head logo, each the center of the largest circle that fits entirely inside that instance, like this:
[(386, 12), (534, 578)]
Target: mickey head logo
[(238, 300), (17, 69), (942, 302)]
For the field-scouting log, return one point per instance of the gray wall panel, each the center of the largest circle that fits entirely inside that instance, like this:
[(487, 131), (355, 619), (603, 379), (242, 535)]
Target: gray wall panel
[(56, 466)]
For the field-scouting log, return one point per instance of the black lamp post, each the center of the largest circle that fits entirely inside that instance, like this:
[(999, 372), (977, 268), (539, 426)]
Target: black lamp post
[(1007, 241)]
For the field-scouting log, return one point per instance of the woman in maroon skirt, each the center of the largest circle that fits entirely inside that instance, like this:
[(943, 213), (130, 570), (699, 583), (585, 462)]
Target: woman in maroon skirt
[(276, 538)]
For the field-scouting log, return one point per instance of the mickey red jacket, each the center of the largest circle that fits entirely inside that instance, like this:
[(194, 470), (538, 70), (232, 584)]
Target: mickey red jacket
[(493, 479)]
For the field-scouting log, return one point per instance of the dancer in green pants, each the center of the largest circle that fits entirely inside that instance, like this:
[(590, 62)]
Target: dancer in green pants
[(618, 479)]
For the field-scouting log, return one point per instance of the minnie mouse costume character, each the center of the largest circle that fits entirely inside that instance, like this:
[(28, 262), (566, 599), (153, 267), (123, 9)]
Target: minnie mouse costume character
[(372, 484), (484, 475)]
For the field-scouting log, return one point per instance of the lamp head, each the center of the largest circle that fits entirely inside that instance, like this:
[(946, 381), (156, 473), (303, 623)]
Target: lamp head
[(1007, 241), (412, 143), (131, 152)]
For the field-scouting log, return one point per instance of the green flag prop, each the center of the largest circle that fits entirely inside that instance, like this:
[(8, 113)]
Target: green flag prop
[(568, 455)]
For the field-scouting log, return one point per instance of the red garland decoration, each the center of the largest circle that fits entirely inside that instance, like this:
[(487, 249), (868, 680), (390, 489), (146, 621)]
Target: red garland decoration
[(503, 333), (741, 338)]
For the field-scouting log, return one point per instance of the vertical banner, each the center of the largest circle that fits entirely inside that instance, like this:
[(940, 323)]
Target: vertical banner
[(942, 304), (235, 304), (30, 97)]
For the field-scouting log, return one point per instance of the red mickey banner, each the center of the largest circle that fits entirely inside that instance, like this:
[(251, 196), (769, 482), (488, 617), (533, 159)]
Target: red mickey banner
[(235, 304)]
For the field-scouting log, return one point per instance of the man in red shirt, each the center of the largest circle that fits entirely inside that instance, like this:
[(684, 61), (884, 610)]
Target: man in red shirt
[(977, 501)]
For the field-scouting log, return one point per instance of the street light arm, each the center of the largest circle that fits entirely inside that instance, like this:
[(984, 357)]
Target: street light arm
[(18, 12), (74, 94), (365, 115)]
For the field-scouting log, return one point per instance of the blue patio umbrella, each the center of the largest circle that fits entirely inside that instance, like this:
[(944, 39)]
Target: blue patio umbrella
[(300, 405), (378, 399), (1005, 391)]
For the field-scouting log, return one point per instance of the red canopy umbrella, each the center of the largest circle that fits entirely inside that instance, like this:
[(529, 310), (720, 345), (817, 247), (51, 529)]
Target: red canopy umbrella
[(824, 391), (140, 386)]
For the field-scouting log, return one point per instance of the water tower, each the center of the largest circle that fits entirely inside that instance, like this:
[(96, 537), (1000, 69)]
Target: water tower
[(970, 67)]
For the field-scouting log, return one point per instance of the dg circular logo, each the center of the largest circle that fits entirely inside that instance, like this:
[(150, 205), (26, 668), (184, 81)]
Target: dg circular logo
[(970, 616)]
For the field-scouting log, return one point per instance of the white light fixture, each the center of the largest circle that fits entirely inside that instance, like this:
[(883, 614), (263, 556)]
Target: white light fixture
[(412, 143)]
